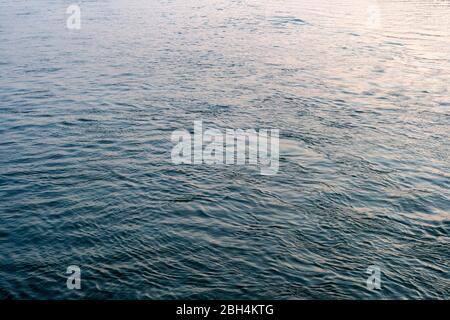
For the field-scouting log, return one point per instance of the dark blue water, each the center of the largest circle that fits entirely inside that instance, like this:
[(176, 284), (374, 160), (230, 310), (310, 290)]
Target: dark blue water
[(360, 91)]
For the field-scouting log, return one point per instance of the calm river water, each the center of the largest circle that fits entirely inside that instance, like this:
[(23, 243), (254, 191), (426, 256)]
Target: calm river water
[(360, 91)]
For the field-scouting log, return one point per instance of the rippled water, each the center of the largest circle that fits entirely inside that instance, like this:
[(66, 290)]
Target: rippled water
[(360, 91)]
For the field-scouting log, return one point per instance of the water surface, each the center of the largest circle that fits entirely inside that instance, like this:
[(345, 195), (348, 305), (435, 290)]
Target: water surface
[(359, 90)]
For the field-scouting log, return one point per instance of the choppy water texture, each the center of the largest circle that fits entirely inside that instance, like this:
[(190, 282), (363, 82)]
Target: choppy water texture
[(358, 89)]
